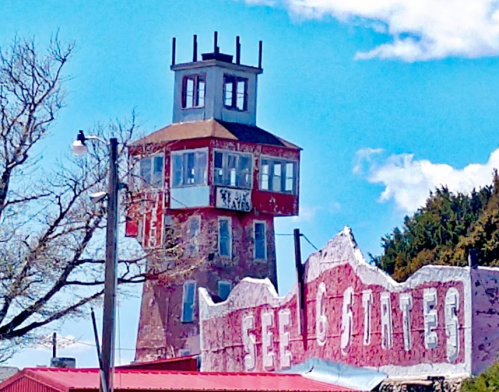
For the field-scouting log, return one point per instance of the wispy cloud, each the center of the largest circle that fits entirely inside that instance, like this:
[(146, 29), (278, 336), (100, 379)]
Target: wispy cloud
[(365, 156), (261, 2), (420, 29), (309, 213), (408, 181)]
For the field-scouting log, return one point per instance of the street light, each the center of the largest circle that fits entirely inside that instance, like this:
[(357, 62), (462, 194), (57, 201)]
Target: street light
[(108, 324)]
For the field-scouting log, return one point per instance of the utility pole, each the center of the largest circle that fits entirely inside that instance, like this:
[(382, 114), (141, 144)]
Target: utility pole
[(54, 345), (109, 311), (302, 325)]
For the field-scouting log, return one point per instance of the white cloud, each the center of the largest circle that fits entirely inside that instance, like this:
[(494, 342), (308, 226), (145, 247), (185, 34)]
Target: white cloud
[(420, 29), (408, 181), (261, 2), (363, 156), (309, 213)]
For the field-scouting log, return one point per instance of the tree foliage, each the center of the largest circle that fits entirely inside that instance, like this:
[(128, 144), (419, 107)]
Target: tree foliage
[(51, 234), (487, 381), (443, 231)]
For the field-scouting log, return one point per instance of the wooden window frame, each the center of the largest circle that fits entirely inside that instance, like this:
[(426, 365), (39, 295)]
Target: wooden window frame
[(225, 169), (228, 219), (234, 80), (272, 161), (183, 180), (197, 79)]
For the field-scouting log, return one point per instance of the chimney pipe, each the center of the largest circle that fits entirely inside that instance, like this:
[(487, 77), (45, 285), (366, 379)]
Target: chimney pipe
[(215, 42)]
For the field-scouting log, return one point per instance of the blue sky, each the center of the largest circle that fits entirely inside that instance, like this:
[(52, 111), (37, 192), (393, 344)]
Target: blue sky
[(387, 98)]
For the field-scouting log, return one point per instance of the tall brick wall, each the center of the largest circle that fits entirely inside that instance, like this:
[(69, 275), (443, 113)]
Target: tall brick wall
[(161, 332)]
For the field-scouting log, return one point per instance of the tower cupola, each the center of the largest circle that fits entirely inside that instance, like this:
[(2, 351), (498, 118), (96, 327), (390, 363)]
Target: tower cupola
[(215, 87)]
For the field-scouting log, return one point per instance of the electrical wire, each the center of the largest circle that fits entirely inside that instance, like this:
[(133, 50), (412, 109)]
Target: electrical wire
[(306, 239), (301, 235)]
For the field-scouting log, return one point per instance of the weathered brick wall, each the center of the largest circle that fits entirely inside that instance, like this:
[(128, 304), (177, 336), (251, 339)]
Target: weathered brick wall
[(355, 314), (161, 332)]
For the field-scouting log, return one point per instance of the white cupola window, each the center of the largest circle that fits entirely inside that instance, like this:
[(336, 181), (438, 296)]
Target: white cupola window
[(193, 91), (235, 92)]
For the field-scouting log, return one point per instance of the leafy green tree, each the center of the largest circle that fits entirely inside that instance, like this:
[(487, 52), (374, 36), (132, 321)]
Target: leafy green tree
[(487, 381), (443, 231)]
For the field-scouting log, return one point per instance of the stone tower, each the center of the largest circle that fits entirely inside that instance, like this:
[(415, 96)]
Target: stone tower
[(209, 187)]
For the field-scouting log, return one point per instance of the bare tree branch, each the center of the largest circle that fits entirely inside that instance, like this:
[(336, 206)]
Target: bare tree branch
[(51, 234)]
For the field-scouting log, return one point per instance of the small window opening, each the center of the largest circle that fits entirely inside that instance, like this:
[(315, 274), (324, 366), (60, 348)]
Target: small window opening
[(235, 92), (193, 230), (224, 289), (225, 237), (260, 241), (188, 301), (193, 91)]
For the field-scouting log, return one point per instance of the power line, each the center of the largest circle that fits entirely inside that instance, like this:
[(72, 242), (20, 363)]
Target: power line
[(301, 234), (306, 239)]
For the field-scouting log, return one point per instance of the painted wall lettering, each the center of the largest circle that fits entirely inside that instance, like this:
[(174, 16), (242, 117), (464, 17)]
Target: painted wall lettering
[(430, 318), (386, 321), (284, 353), (346, 320), (321, 319), (367, 300), (249, 342), (268, 340), (357, 315), (405, 307), (452, 323)]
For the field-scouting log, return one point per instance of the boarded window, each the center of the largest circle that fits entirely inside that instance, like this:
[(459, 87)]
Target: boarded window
[(224, 288), (225, 237), (260, 241), (188, 301)]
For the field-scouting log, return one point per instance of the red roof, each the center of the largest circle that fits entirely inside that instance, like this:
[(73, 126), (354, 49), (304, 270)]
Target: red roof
[(65, 380)]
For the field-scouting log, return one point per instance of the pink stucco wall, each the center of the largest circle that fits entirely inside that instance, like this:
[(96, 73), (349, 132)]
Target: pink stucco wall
[(451, 329)]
